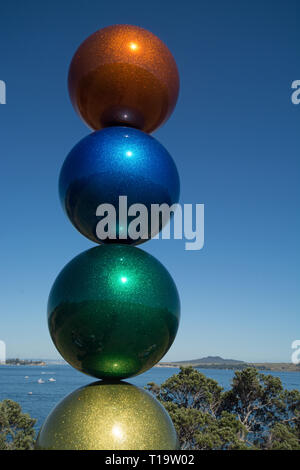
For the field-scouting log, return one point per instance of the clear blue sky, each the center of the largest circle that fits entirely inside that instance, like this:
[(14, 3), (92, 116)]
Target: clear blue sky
[(234, 136)]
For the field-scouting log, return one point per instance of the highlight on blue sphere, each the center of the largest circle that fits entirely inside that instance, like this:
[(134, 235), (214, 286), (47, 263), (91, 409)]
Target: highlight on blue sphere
[(108, 164)]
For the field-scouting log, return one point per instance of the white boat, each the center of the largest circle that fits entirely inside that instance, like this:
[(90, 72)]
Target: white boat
[(41, 381), (29, 393), (26, 377), (52, 379)]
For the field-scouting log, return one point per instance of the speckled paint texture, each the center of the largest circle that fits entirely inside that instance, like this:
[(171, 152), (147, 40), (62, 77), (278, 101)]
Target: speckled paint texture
[(104, 416), (113, 311), (123, 75), (113, 162)]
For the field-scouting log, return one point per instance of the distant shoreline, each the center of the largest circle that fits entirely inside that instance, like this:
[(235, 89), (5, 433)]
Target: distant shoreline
[(264, 366), (22, 362), (221, 365)]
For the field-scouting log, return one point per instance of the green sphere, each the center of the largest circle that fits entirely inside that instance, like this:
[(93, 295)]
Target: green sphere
[(113, 311), (106, 416)]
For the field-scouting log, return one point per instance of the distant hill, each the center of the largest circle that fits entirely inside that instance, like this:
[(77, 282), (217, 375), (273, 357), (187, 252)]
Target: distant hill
[(217, 362), (211, 360)]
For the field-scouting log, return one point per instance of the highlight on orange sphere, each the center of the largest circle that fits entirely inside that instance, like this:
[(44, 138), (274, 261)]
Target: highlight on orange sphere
[(123, 75), (133, 46)]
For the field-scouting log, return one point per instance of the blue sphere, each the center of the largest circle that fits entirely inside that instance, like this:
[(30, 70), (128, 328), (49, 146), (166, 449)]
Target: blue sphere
[(114, 162)]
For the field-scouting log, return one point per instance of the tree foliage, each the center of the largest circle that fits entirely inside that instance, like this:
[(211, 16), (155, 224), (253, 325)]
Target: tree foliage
[(256, 413), (16, 428)]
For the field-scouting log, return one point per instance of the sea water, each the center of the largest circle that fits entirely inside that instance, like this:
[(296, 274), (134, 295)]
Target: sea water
[(20, 383)]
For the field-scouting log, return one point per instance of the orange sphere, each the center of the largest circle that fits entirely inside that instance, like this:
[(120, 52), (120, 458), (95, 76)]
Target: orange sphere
[(123, 75)]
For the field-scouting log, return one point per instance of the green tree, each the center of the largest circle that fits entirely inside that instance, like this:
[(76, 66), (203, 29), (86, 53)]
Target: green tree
[(261, 404), (194, 403), (16, 428), (190, 389), (282, 437), (200, 430), (256, 413)]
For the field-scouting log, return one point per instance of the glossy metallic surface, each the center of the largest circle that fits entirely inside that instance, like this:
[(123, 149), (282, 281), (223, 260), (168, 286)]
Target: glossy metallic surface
[(104, 416), (113, 162), (113, 311), (123, 75)]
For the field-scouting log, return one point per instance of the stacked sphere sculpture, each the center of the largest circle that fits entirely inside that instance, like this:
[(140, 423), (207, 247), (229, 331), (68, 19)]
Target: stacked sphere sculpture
[(113, 311)]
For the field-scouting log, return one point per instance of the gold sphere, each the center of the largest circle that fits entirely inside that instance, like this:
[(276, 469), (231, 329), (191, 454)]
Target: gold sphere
[(108, 416)]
